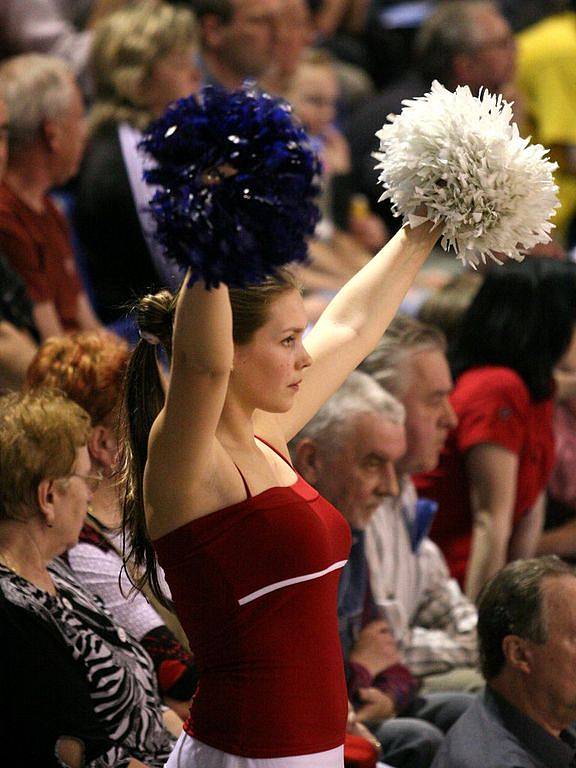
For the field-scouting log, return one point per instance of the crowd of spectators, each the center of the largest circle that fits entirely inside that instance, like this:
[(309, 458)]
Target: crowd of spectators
[(450, 455)]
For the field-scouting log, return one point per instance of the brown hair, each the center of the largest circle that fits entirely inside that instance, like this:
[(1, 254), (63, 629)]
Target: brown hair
[(144, 399), (88, 367), (40, 432)]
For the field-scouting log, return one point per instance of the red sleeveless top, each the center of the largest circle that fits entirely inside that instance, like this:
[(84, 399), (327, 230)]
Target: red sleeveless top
[(255, 588)]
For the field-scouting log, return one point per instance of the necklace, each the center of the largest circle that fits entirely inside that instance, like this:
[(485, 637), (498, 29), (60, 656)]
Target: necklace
[(7, 561)]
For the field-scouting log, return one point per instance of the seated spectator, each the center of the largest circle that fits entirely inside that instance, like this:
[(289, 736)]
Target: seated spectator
[(435, 624), (526, 619), (348, 453), (494, 469), (89, 368), (46, 140), (295, 34), (559, 535), (41, 26), (80, 691), (238, 39), (17, 330), (463, 42), (142, 59)]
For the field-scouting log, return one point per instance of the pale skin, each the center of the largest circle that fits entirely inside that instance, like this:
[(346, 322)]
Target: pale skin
[(492, 474), (212, 412)]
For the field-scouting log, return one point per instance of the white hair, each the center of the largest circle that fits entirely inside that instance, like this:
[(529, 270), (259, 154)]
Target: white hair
[(359, 394), (35, 88)]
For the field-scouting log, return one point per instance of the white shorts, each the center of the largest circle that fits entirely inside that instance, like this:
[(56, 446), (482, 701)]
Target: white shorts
[(191, 753)]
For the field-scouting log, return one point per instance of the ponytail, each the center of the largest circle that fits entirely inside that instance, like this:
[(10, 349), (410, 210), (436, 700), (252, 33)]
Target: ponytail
[(142, 402)]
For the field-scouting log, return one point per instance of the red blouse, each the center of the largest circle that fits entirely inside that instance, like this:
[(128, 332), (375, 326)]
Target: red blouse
[(493, 405), (255, 587)]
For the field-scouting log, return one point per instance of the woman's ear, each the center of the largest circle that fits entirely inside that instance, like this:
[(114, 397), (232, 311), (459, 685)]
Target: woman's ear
[(46, 501)]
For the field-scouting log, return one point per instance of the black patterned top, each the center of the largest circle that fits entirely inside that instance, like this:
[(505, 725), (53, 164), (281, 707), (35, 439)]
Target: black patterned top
[(107, 671)]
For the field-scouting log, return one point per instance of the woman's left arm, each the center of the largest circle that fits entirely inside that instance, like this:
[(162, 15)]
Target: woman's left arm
[(354, 321), (526, 533)]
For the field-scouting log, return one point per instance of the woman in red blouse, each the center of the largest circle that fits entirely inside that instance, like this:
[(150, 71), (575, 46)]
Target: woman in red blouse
[(493, 471)]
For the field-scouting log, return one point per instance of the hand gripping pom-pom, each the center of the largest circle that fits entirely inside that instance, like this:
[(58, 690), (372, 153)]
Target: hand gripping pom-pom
[(459, 161), (236, 179)]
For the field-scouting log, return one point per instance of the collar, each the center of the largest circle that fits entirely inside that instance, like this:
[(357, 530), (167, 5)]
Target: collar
[(418, 514), (552, 752)]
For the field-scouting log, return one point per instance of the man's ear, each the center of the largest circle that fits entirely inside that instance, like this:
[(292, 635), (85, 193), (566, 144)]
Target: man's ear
[(45, 496), (51, 133), (517, 653), (307, 460)]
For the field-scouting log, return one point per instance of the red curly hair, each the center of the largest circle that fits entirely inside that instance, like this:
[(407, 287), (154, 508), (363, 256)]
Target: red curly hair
[(88, 366)]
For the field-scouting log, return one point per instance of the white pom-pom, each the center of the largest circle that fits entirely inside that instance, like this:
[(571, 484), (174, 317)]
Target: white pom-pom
[(459, 161)]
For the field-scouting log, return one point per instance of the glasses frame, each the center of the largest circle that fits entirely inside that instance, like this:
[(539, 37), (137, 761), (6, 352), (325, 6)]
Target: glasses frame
[(92, 481)]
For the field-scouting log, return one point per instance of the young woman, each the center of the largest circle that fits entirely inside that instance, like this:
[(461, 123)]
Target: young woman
[(494, 469), (252, 553)]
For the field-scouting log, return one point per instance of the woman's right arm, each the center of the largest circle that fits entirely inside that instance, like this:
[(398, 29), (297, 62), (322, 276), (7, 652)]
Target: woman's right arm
[(182, 439), (492, 477)]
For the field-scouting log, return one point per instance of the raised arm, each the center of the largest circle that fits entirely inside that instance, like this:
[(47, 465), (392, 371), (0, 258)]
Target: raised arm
[(182, 439), (354, 321)]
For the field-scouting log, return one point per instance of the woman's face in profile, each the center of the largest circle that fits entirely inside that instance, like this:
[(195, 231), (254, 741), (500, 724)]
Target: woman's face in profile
[(174, 76), (72, 497)]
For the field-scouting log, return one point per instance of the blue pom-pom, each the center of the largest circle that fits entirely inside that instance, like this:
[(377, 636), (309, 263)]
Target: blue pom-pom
[(236, 178)]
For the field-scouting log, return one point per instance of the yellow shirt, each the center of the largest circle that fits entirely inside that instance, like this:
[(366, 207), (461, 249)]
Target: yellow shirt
[(547, 82)]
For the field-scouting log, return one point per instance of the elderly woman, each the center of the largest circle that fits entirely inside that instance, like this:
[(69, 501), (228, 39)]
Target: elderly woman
[(142, 59), (89, 368), (80, 690)]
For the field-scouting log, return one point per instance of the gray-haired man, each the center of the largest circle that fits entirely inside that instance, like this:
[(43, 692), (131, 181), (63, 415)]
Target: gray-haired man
[(434, 623), (348, 451)]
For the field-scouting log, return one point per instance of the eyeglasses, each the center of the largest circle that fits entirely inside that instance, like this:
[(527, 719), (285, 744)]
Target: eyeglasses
[(92, 481)]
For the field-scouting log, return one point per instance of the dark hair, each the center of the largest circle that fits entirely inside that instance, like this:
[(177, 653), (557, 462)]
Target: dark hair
[(522, 318), (511, 604), (144, 399), (224, 9)]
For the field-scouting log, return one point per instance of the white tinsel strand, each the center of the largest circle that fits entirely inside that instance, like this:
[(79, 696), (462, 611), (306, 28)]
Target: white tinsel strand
[(459, 161)]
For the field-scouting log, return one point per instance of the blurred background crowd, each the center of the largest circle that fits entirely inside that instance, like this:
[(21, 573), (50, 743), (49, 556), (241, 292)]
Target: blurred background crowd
[(490, 405)]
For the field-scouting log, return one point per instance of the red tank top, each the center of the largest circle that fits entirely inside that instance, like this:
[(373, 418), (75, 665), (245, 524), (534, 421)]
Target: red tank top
[(255, 588)]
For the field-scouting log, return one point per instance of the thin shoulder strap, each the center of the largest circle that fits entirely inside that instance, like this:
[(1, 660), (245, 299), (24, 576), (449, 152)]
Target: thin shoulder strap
[(246, 488), (276, 451)]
